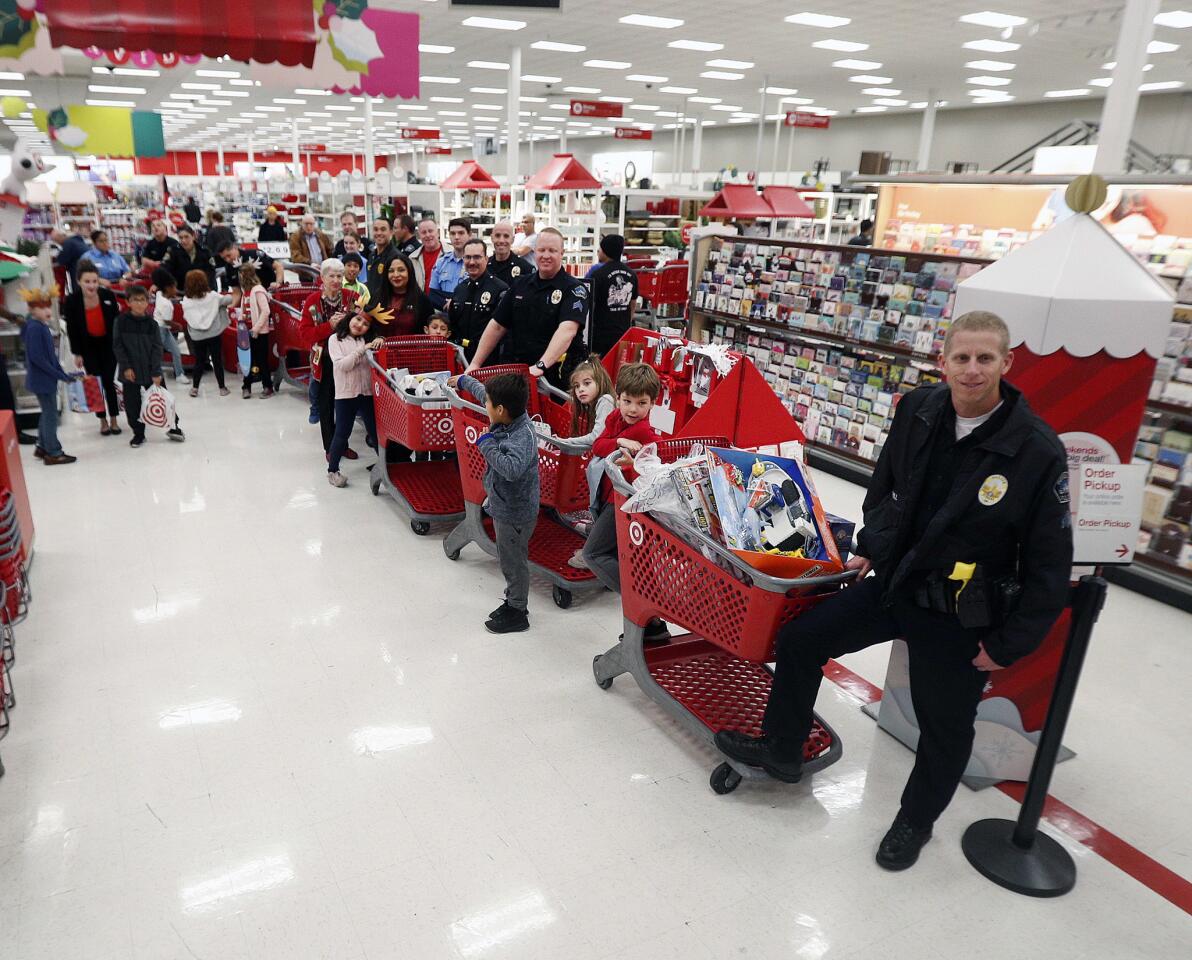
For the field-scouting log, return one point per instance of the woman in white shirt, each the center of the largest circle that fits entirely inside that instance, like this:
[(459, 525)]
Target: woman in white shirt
[(206, 315)]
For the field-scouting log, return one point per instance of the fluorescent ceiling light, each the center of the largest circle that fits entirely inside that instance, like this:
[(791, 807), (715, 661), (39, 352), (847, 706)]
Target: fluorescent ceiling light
[(888, 102), (797, 101), (988, 81), (995, 65), (342, 108), (651, 107), (608, 100), (781, 91), (224, 103), (987, 18), (217, 73), (307, 91), (558, 47), (1178, 19), (666, 113), (494, 23), (488, 65), (662, 23), (705, 99), (535, 78), (1081, 92), (844, 46), (532, 99), (702, 45), (105, 88), (730, 64), (9, 75), (487, 90), (992, 46), (1113, 63), (1161, 85), (446, 99), (186, 96), (581, 89), (434, 48), (1161, 46), (870, 110), (818, 20), (1101, 82), (997, 94), (567, 107), (455, 123), (646, 78), (727, 108), (881, 91), (264, 109), (608, 64), (200, 86), (110, 103), (232, 93), (452, 113), (869, 78), (681, 91), (721, 75), (439, 79), (856, 64), (289, 100), (316, 113), (488, 106)]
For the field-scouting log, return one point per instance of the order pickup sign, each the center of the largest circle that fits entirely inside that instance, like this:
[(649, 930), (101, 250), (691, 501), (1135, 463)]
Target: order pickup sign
[(1107, 510)]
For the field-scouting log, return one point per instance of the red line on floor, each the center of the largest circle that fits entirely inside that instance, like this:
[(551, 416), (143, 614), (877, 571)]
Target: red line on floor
[(1109, 846)]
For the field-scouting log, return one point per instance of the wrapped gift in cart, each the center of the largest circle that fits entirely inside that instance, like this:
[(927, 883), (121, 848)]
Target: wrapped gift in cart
[(293, 357), (564, 488), (414, 416), (715, 675)]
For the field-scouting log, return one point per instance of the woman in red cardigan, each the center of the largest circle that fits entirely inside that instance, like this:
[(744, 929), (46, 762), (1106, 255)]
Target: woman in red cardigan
[(320, 313)]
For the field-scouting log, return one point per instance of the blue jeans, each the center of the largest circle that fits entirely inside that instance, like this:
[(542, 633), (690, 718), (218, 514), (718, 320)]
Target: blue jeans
[(312, 394), (170, 345), (47, 424), (345, 420)]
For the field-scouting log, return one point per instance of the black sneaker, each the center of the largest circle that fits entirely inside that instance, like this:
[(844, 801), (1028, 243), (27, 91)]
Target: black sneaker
[(27, 439), (507, 619), (771, 755), (176, 435), (900, 846), (135, 441)]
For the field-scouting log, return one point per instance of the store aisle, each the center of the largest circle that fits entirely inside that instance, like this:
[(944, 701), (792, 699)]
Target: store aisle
[(258, 718)]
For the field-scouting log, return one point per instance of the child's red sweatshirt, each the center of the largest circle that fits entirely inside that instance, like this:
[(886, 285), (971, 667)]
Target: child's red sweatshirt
[(615, 428)]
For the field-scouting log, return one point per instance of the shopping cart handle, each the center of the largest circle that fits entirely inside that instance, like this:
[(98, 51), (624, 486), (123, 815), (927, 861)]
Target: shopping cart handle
[(457, 401), (292, 311)]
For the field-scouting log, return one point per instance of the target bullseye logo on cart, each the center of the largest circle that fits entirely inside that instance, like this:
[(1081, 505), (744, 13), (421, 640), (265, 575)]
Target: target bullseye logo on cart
[(470, 434), (376, 389), (637, 534), (445, 425)]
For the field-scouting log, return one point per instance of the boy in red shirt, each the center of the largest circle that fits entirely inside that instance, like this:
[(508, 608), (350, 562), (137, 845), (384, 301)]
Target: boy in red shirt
[(626, 430)]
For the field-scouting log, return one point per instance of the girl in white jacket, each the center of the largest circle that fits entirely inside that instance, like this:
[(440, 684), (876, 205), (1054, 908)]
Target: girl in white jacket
[(206, 316)]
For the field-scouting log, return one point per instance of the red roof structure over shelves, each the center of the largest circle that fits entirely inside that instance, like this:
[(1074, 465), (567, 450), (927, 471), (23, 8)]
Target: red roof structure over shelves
[(786, 202), (737, 200), (281, 31), (469, 175), (563, 172)]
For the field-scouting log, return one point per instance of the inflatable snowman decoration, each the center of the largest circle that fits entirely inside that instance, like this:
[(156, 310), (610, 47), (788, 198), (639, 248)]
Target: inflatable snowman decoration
[(26, 165)]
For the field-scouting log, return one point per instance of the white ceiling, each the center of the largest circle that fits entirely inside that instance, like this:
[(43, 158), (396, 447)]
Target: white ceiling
[(1063, 46)]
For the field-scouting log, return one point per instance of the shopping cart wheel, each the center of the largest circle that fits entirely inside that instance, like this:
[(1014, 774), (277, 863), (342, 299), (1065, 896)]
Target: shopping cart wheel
[(724, 779), (603, 684), (562, 597), (374, 483), (453, 555), (420, 527)]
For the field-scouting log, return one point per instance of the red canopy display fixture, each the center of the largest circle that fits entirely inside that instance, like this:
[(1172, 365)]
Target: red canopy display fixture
[(563, 172), (469, 176), (281, 31), (737, 200), (786, 202)]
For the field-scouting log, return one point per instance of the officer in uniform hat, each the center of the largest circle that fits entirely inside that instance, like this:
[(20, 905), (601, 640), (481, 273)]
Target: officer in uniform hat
[(544, 314), (475, 300), (504, 264), (969, 536)]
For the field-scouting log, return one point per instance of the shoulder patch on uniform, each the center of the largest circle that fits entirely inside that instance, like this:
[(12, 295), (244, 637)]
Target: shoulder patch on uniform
[(581, 291), (1062, 493)]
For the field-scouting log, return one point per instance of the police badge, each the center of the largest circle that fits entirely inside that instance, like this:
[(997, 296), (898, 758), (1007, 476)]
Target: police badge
[(556, 296), (515, 271), (485, 297)]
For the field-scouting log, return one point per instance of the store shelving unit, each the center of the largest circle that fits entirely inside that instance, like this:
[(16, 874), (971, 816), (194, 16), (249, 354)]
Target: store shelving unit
[(650, 220), (837, 216), (471, 192), (839, 332), (564, 195)]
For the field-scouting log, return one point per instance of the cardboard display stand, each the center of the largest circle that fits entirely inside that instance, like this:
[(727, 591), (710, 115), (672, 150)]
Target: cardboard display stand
[(1087, 323)]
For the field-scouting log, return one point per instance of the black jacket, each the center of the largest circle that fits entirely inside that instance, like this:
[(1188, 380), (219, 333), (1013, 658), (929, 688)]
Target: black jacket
[(137, 342), (75, 315), (473, 305), (180, 263), (509, 271), (614, 300), (1018, 522)]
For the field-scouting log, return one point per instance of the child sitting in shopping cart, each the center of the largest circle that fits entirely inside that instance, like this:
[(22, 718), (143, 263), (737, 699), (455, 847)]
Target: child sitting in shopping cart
[(591, 403), (626, 430), (510, 451)]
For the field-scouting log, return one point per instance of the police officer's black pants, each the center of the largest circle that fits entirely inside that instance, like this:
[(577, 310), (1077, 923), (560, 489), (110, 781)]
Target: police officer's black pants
[(945, 686)]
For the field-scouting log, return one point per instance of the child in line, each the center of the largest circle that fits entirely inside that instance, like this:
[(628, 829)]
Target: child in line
[(255, 311), (137, 344), (626, 430), (591, 403), (347, 348), (438, 327), (353, 265), (510, 451), (206, 315), (163, 312), (43, 373)]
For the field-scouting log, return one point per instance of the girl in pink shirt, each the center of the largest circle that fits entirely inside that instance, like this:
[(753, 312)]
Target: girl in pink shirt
[(255, 310), (348, 350)]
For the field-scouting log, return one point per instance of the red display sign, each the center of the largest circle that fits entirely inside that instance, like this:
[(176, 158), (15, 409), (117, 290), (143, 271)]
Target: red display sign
[(633, 133), (796, 119), (596, 108), (438, 151), (419, 133), (312, 147)]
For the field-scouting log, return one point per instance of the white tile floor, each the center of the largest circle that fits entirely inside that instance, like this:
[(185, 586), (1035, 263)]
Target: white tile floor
[(258, 717)]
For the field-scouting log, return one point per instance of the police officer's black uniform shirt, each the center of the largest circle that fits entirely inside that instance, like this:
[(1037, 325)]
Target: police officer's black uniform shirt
[(410, 248), (378, 266), (180, 263), (509, 270), (159, 249), (473, 305), (614, 297), (532, 312), (228, 274)]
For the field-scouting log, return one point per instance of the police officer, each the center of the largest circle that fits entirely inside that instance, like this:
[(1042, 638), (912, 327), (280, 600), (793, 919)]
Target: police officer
[(614, 295), (475, 300), (969, 475), (504, 264), (545, 314), (229, 259)]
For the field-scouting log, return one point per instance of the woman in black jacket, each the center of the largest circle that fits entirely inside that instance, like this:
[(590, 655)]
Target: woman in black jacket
[(90, 314)]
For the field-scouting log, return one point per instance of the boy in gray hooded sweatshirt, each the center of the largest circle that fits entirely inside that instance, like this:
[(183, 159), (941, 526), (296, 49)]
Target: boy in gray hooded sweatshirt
[(510, 451)]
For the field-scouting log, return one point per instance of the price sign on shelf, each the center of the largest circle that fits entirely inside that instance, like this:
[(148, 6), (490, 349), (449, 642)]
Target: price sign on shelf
[(796, 118), (596, 108), (419, 133), (633, 133)]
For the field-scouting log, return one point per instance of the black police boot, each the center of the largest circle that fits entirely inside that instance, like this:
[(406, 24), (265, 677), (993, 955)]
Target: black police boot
[(900, 846), (777, 758), (507, 619)]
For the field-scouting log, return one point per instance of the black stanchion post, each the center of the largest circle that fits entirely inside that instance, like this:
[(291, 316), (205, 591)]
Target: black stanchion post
[(1014, 854)]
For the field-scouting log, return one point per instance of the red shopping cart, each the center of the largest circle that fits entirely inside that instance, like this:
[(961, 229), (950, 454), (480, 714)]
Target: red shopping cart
[(715, 676), (427, 491), (561, 474), (293, 357)]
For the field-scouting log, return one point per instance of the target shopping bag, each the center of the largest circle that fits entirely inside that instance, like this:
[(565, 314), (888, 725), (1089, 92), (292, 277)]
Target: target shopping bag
[(85, 395), (157, 407)]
